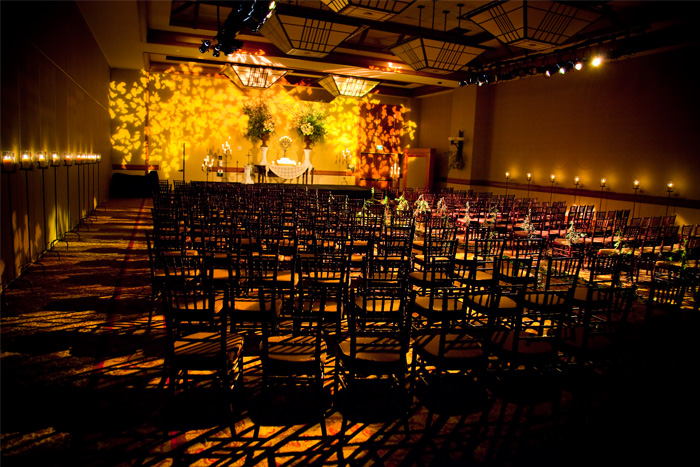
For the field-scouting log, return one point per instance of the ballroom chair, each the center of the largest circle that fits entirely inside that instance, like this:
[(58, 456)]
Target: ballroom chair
[(562, 273), (197, 331), (514, 274), (293, 348), (436, 266), (447, 348), (328, 269), (525, 339), (665, 298), (596, 337), (377, 343)]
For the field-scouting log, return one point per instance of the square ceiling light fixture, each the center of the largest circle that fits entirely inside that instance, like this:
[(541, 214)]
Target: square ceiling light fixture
[(307, 37), (534, 25), (347, 85), (435, 56), (252, 76), (375, 10)]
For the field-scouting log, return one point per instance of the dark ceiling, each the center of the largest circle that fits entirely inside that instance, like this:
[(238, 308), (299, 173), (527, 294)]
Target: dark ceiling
[(618, 28)]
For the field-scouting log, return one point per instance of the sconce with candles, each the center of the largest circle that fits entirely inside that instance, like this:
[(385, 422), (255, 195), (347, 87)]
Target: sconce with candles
[(9, 162), (54, 159), (42, 160), (26, 162), (67, 160)]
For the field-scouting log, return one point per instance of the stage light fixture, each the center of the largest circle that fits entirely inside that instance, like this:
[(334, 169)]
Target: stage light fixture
[(597, 60)]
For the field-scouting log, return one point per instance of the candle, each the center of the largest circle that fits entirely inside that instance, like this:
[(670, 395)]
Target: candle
[(26, 160), (42, 161), (9, 162)]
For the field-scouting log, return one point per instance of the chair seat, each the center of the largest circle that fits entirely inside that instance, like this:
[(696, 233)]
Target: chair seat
[(430, 276), (458, 348), (372, 351), (294, 349), (190, 350), (529, 347), (423, 303)]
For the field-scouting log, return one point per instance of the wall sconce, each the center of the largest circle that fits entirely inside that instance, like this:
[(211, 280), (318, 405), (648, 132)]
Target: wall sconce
[(55, 159), (602, 187), (98, 157), (26, 161), (577, 181), (456, 159), (602, 183), (42, 160), (669, 187), (9, 162), (635, 187), (79, 159), (507, 178), (67, 160)]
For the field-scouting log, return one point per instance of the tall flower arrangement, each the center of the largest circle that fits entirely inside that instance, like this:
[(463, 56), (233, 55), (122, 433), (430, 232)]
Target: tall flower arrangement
[(260, 122), (310, 123)]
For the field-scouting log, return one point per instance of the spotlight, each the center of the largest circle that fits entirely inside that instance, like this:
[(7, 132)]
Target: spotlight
[(204, 48), (597, 61), (215, 53), (579, 64)]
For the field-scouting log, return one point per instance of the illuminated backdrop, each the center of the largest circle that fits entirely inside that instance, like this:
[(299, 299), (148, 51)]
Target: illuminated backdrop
[(155, 114)]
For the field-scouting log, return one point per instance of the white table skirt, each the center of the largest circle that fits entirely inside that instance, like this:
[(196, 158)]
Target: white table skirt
[(288, 171)]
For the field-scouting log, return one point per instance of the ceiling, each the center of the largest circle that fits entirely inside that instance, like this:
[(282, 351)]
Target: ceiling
[(159, 34)]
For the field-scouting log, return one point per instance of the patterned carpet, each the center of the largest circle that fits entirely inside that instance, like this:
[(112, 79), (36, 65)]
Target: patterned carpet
[(82, 386)]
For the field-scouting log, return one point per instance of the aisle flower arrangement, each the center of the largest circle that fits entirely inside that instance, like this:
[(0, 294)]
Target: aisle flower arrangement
[(260, 123)]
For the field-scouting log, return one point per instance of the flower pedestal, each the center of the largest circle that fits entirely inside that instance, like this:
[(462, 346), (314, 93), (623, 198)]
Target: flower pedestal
[(248, 174), (263, 155), (307, 160)]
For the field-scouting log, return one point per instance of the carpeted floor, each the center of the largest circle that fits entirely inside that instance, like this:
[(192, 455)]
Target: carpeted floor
[(82, 386)]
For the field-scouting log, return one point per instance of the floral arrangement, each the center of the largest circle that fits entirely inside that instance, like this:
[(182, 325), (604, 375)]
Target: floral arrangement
[(421, 206), (260, 121), (572, 236), (310, 122), (402, 204), (442, 208), (528, 226)]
